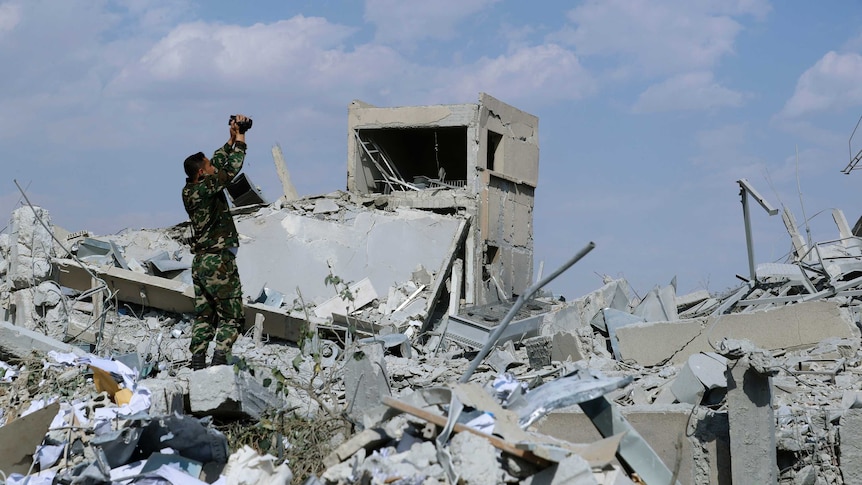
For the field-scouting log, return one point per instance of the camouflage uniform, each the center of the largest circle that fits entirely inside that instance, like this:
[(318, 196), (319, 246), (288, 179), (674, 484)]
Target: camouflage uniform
[(218, 294)]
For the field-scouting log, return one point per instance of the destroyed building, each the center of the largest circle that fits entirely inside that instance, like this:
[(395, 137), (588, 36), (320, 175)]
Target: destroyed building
[(394, 334), (482, 158)]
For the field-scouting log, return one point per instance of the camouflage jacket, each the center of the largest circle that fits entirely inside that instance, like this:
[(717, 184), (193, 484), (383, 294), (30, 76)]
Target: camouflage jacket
[(213, 228)]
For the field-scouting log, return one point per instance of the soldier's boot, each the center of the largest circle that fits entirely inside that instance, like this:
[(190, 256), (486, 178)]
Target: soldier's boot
[(219, 357), (199, 361)]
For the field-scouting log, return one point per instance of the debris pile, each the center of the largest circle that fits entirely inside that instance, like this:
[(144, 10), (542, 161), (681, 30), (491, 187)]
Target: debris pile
[(384, 344)]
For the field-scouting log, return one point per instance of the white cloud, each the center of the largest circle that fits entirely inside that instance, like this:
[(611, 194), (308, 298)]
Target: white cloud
[(831, 84), (658, 37), (687, 92), (297, 56), (304, 58), (10, 15), (535, 74), (722, 138), (412, 20)]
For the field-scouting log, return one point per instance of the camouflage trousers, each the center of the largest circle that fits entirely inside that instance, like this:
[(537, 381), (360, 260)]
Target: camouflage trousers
[(218, 301)]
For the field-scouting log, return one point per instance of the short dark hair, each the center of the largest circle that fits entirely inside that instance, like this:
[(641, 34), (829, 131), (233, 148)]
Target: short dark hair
[(192, 164)]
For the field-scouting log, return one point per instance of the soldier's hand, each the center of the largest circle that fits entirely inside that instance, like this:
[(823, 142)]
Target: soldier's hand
[(235, 134)]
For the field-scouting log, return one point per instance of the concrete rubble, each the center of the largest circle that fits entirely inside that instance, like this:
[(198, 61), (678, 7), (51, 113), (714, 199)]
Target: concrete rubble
[(368, 314)]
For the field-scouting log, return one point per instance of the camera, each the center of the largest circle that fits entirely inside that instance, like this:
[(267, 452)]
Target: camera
[(242, 126)]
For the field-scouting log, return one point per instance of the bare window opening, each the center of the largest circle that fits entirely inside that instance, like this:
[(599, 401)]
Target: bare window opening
[(494, 149), (419, 157)]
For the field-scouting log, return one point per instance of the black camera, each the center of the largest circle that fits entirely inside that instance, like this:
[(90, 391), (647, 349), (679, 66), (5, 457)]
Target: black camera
[(242, 126)]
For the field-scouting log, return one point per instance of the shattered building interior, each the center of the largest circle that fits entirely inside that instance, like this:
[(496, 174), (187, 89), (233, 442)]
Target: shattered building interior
[(395, 333)]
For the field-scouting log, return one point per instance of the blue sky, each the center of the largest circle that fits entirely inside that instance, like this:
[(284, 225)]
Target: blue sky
[(650, 111)]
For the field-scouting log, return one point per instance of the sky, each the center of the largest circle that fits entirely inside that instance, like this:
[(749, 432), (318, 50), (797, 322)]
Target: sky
[(649, 112)]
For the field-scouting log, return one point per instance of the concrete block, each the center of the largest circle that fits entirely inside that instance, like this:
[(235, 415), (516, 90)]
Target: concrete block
[(580, 311), (365, 439), (566, 346), (48, 294), (851, 446), (700, 373), (27, 271), (363, 293), (422, 276), (167, 396), (538, 351), (220, 391), (800, 325), (325, 206), (659, 305), (366, 380), (474, 460), (24, 309), (686, 387), (31, 247), (703, 459), (56, 321)]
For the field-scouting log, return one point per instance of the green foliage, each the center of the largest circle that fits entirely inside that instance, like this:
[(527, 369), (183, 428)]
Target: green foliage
[(281, 382), (342, 288)]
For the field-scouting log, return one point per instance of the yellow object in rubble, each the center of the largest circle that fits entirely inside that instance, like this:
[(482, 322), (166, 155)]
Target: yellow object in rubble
[(104, 382), (123, 396)]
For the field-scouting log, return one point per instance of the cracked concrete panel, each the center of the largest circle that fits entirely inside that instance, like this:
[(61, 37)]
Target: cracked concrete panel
[(795, 326), (283, 250), (520, 141), (523, 225)]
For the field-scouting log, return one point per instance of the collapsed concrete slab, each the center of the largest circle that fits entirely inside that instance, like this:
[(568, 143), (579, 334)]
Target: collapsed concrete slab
[(23, 343), (793, 326), (384, 247), (130, 286)]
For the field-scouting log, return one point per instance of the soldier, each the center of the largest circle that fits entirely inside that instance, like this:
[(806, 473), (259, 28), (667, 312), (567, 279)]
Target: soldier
[(214, 242)]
